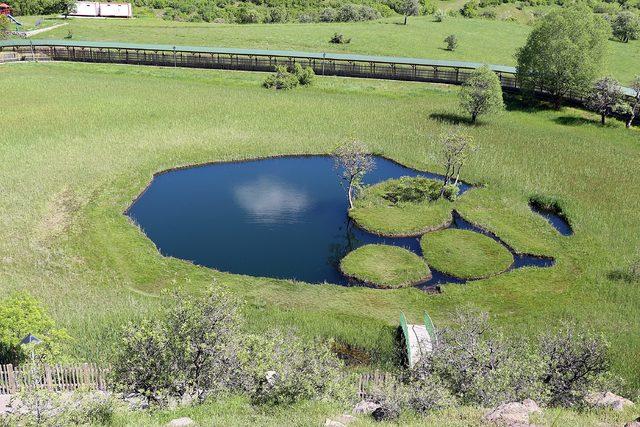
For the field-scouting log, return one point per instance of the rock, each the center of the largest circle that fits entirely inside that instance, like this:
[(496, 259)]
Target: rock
[(634, 423), (5, 406), (341, 421), (271, 377), (513, 414), (608, 400), (365, 407), (181, 422)]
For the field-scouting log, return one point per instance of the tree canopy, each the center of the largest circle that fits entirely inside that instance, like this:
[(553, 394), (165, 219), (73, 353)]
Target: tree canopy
[(626, 26), (481, 93), (564, 53)]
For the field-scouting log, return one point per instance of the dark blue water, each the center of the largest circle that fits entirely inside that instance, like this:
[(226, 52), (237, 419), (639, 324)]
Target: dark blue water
[(281, 217), (558, 222)]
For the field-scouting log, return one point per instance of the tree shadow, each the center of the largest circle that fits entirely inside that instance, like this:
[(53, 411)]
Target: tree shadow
[(527, 104), (622, 276), (574, 121), (452, 118)]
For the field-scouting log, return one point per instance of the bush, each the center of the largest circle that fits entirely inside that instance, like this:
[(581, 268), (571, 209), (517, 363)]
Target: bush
[(281, 79), (450, 192), (440, 15), (304, 75), (574, 361), (285, 369), (452, 42), (328, 14), (479, 366), (305, 18), (188, 351), (278, 14), (412, 190), (350, 12), (626, 26), (5, 25), (470, 9), (489, 14), (339, 39)]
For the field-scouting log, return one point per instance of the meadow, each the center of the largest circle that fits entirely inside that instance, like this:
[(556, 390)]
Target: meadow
[(80, 141), (481, 40)]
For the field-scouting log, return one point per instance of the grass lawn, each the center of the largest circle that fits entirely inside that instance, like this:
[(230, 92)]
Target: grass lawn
[(385, 266), (465, 254), (80, 141), (481, 40), (373, 212)]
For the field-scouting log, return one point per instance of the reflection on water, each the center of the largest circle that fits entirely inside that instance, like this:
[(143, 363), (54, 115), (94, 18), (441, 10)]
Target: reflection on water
[(268, 200), (280, 217)]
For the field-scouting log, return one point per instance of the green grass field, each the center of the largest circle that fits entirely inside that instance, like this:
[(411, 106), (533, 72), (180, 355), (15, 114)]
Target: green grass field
[(480, 40), (80, 141)]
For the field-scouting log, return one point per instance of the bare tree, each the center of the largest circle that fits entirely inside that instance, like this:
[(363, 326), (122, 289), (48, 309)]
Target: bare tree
[(606, 97), (352, 161), (456, 148)]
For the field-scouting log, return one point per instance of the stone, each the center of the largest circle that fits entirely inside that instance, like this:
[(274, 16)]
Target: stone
[(513, 414), (5, 403), (608, 400), (531, 405), (634, 423), (271, 377), (365, 407), (340, 421), (181, 422)]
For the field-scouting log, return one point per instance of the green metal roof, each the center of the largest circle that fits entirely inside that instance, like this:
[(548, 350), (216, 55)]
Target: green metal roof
[(258, 52)]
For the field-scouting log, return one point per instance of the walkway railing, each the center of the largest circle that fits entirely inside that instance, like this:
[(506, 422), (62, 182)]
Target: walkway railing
[(325, 64)]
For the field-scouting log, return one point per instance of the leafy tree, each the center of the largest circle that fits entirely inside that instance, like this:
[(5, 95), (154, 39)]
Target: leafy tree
[(481, 93), (67, 7), (353, 161), (410, 8), (606, 97), (452, 42), (626, 26), (20, 315), (5, 25), (189, 351), (470, 9), (564, 53), (456, 148)]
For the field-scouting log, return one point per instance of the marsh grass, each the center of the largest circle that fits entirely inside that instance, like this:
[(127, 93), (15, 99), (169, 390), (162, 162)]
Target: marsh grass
[(101, 131)]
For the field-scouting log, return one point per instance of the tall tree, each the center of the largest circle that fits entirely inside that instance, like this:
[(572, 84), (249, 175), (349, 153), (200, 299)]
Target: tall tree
[(564, 53), (456, 148), (481, 93), (353, 161), (410, 8), (626, 26), (606, 98)]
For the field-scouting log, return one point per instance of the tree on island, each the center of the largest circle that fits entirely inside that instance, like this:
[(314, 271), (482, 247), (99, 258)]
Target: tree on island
[(481, 93), (564, 53), (626, 26), (606, 98), (353, 161), (456, 148), (410, 8)]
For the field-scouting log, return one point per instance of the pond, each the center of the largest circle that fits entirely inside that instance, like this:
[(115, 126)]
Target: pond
[(282, 217)]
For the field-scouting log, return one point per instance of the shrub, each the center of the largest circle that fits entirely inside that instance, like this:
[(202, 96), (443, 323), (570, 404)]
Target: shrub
[(5, 25), (392, 398), (429, 394), (248, 15), (188, 351), (452, 42), (450, 192), (281, 79), (306, 18), (339, 39), (412, 190), (489, 14), (278, 14), (350, 12), (328, 14), (20, 315), (304, 75), (285, 369), (574, 361), (440, 15), (479, 365), (470, 9)]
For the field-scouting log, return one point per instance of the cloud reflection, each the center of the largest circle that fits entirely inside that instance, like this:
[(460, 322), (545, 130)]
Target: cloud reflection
[(268, 200)]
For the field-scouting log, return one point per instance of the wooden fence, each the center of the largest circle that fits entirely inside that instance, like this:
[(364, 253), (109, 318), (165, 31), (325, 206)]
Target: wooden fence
[(370, 381), (52, 377)]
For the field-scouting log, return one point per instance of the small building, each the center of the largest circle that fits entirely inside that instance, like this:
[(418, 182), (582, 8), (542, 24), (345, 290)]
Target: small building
[(104, 10), (5, 9)]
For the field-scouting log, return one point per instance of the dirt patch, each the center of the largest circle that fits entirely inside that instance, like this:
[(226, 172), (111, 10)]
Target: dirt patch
[(59, 215)]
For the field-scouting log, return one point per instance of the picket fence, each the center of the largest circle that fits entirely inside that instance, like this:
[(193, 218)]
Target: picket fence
[(87, 376)]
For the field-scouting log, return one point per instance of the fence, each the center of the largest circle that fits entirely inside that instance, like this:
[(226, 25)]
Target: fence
[(52, 377), (370, 381)]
